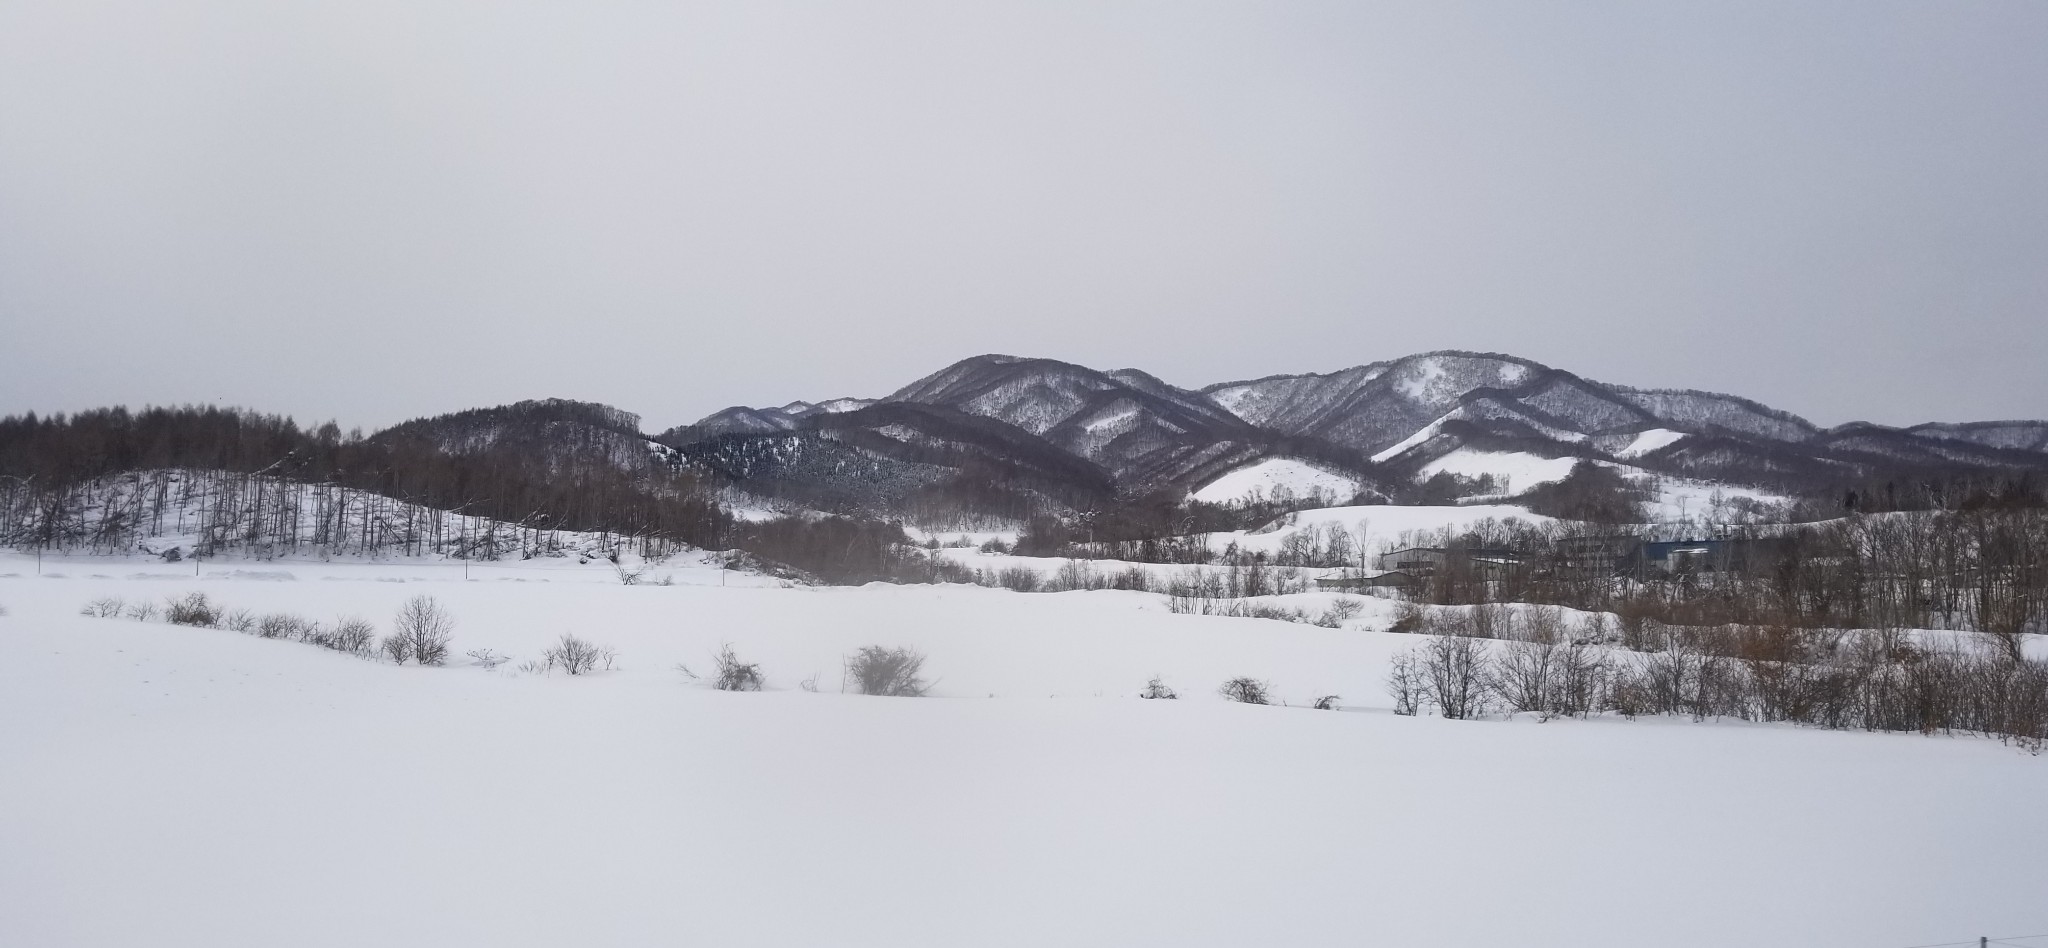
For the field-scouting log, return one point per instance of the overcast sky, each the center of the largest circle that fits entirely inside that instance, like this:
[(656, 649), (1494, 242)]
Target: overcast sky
[(370, 211)]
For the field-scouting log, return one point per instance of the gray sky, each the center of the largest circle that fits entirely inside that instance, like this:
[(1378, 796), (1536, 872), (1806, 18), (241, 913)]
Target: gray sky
[(371, 210)]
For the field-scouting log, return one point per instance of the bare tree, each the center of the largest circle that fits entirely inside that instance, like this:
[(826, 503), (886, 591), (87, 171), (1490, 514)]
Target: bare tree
[(352, 634), (1524, 675), (1405, 683), (1455, 672), (426, 627), (1577, 679), (1158, 689)]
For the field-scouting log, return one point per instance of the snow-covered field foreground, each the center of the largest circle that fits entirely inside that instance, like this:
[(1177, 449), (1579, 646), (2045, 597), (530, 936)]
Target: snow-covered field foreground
[(173, 786)]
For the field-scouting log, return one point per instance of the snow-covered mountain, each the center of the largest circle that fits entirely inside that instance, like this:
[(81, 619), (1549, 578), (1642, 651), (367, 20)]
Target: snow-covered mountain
[(1383, 424), (1390, 405)]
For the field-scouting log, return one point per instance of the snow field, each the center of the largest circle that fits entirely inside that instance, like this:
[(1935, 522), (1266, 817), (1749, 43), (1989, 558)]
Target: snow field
[(1516, 471), (181, 786), (1270, 475)]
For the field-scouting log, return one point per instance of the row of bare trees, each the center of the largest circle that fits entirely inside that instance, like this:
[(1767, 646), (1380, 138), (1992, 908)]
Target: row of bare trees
[(1879, 680), (1982, 570)]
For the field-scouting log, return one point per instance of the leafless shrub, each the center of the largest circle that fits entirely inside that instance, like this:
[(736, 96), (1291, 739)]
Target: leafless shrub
[(1523, 676), (1491, 621), (488, 659), (1134, 578), (733, 674), (1455, 673), (240, 620), (396, 647), (426, 626), (191, 609), (144, 611), (1542, 624), (279, 625), (1594, 630), (1233, 608), (352, 634), (1018, 578), (1340, 612), (894, 672), (1327, 703), (809, 684), (627, 575), (1408, 618), (1246, 691), (578, 657), (533, 666), (1076, 574), (1158, 689), (1577, 680), (105, 607), (1405, 683)]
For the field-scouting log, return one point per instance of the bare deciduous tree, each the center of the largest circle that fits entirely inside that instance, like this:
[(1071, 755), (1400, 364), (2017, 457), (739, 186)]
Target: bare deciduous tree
[(426, 627), (1404, 682), (1454, 673)]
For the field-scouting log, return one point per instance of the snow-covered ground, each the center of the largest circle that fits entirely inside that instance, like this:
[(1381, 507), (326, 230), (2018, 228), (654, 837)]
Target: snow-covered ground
[(1515, 471), (1651, 440), (174, 786), (1269, 476), (1373, 526)]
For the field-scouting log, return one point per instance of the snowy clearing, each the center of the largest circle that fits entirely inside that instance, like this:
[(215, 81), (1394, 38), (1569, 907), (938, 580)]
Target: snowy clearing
[(1515, 471), (232, 790), (1652, 440), (1267, 477)]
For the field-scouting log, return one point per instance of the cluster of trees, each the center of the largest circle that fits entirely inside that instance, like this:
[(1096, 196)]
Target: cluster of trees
[(1880, 680), (1982, 569), (532, 479), (539, 465), (261, 515)]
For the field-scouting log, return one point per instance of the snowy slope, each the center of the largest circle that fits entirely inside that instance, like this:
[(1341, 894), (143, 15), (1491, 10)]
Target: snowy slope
[(1514, 471), (1271, 475), (190, 787)]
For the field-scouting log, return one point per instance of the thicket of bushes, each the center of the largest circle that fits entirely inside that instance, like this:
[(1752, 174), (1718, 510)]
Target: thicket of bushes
[(1879, 680)]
